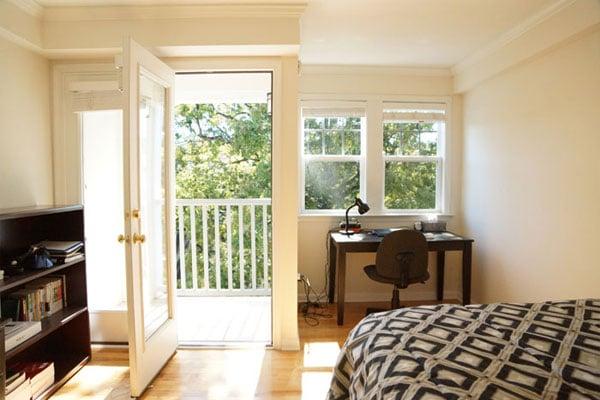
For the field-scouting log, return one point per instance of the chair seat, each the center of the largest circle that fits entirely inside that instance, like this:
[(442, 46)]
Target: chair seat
[(371, 272)]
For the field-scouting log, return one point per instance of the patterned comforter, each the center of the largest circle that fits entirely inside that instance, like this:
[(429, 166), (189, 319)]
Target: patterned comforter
[(497, 351)]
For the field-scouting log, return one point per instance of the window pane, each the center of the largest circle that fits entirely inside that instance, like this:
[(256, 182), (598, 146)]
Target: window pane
[(352, 142), (313, 144), (429, 138), (410, 138), (330, 185), (333, 142), (392, 138), (332, 136), (410, 185)]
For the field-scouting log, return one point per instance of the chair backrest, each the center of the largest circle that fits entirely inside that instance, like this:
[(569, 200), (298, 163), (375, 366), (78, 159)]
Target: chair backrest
[(402, 256)]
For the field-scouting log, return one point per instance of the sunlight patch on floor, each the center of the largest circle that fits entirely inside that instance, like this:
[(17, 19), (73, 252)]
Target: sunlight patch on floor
[(321, 354), (93, 382), (315, 385)]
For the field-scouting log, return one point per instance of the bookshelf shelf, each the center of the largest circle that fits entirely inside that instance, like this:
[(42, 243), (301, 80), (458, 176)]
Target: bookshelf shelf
[(65, 336), (17, 280), (49, 325)]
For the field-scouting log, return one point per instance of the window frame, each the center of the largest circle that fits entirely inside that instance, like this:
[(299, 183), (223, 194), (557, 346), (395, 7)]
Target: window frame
[(439, 178), (373, 160), (306, 158)]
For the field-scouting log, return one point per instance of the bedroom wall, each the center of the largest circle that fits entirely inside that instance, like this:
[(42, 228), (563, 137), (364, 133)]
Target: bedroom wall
[(25, 133), (531, 190), (312, 230)]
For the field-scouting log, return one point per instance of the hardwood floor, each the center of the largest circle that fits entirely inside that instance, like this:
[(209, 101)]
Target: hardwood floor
[(236, 374)]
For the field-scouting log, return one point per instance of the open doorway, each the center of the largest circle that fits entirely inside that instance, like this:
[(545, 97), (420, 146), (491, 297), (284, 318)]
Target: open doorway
[(223, 134), (102, 156)]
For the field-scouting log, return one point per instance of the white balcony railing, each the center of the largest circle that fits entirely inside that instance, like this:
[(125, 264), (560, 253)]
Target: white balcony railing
[(223, 247)]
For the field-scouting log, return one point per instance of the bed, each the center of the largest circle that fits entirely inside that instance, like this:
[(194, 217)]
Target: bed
[(495, 351)]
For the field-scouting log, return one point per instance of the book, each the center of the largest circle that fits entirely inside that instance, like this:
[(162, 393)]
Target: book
[(39, 373), (14, 381), (36, 300), (52, 294), (61, 247), (63, 259), (21, 392), (17, 332), (63, 278)]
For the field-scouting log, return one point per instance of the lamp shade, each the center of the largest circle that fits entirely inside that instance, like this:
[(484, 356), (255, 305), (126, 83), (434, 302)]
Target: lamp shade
[(362, 206)]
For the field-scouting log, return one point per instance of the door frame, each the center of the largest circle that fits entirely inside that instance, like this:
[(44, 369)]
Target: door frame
[(285, 153), (284, 156)]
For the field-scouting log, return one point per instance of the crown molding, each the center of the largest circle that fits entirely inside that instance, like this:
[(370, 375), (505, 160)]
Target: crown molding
[(20, 41), (31, 7), (373, 70), (566, 21), (512, 34), (108, 13)]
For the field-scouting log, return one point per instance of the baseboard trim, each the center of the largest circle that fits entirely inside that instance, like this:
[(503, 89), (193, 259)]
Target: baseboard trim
[(363, 297)]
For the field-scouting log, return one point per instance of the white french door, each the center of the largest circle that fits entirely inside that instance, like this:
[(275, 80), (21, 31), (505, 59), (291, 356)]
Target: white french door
[(148, 171)]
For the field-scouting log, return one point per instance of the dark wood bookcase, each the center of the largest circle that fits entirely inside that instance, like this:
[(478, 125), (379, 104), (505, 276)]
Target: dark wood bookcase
[(65, 335)]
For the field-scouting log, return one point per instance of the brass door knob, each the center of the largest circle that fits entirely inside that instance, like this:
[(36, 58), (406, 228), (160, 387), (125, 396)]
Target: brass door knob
[(139, 238), (122, 238)]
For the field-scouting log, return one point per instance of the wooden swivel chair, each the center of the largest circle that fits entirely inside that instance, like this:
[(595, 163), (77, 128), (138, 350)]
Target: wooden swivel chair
[(401, 261)]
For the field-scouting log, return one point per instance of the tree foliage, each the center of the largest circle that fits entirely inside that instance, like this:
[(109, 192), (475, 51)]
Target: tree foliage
[(223, 151)]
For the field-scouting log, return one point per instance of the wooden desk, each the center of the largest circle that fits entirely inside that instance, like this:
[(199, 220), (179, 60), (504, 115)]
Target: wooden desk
[(340, 244)]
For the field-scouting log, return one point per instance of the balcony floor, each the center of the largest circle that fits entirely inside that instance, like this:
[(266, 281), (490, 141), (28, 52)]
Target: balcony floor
[(223, 320)]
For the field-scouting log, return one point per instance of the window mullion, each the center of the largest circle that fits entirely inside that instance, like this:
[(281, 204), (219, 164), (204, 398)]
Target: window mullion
[(374, 166)]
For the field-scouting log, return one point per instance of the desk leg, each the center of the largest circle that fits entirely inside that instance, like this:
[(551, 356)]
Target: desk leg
[(466, 274), (341, 284), (441, 263), (332, 266)]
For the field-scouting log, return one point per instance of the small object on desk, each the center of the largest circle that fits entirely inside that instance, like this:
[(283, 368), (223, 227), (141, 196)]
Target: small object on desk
[(384, 231), (353, 226), (430, 226)]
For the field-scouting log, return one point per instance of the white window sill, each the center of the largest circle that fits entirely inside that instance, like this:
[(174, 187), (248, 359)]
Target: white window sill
[(370, 216)]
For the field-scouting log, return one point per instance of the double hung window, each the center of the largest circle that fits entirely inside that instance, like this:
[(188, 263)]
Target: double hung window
[(341, 157)]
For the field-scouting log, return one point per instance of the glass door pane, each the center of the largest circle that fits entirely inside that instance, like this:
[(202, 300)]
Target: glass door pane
[(153, 211)]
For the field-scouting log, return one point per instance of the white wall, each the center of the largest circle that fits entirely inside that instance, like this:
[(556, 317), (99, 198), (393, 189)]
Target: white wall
[(25, 135), (312, 232), (531, 190)]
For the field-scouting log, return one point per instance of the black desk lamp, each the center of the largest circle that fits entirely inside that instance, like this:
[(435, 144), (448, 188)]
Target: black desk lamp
[(362, 208)]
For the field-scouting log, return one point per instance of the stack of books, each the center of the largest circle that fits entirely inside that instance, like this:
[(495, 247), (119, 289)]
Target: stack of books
[(62, 252), (38, 299), (17, 387), (17, 332), (26, 380)]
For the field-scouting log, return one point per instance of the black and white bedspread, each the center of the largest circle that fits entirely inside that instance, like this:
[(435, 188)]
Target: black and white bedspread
[(497, 351)]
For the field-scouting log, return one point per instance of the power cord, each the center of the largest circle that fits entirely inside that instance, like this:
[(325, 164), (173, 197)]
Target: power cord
[(311, 317)]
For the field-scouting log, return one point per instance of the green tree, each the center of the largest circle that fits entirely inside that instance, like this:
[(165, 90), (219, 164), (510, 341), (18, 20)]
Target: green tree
[(223, 151)]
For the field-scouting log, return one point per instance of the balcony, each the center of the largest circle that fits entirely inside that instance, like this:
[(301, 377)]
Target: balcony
[(224, 270)]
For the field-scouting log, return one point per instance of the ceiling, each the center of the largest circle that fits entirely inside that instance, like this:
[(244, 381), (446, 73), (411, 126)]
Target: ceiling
[(415, 33), (434, 33)]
